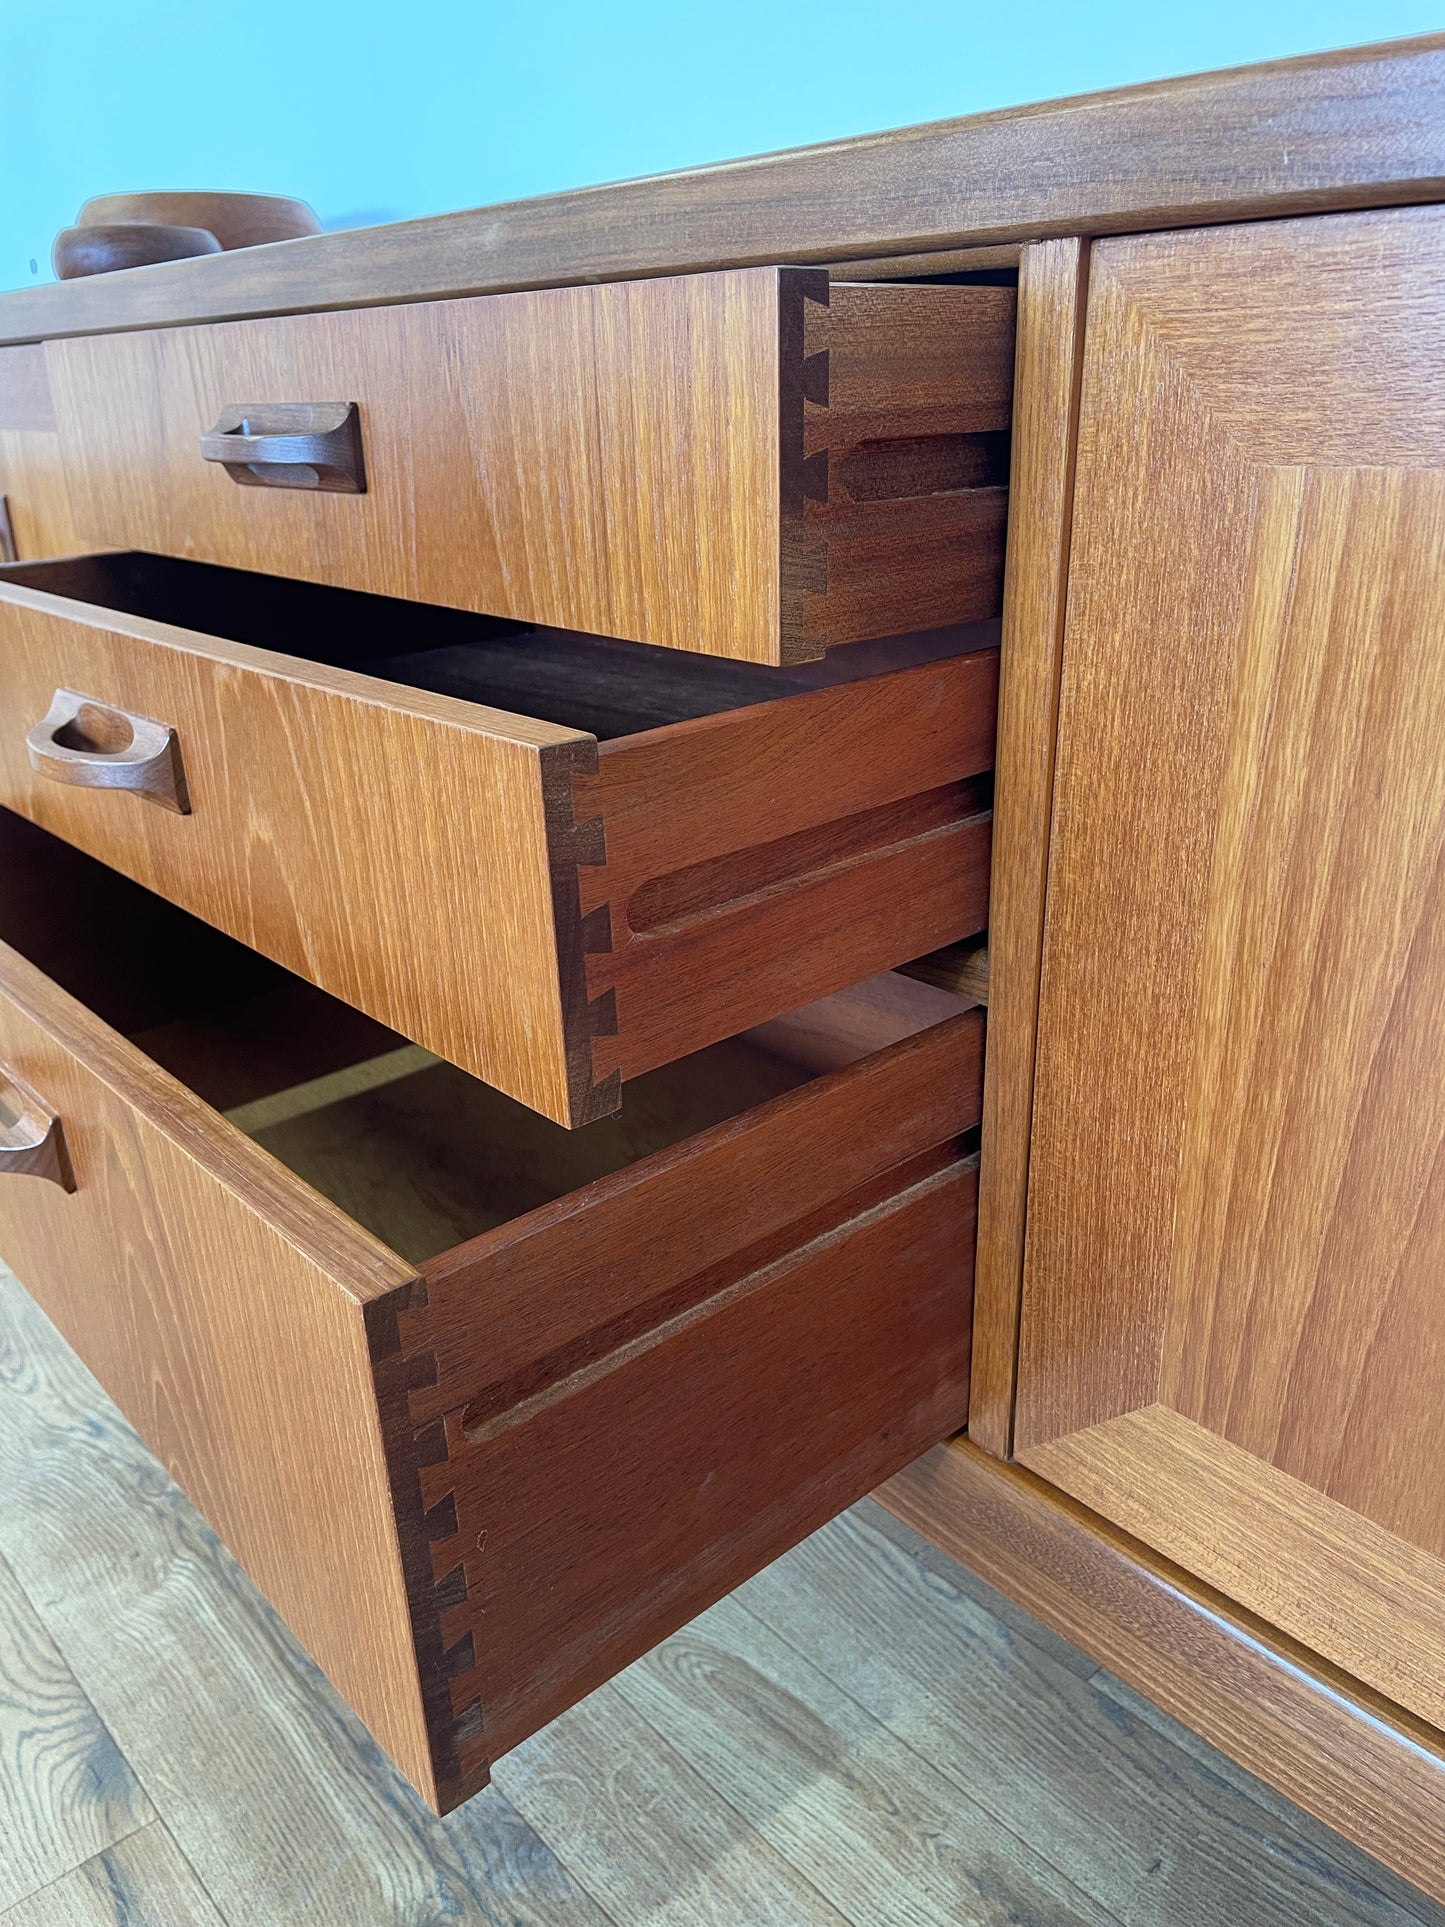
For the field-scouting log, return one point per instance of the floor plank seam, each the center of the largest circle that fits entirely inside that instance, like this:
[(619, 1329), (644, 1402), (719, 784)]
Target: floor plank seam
[(968, 1792), (79, 1867), (102, 1725)]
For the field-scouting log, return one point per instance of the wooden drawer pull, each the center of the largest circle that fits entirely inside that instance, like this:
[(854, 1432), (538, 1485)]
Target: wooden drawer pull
[(32, 1138), (290, 444), (80, 740)]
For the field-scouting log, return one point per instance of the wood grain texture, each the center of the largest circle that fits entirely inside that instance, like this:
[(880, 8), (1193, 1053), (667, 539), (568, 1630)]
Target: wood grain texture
[(220, 1301), (270, 1785), (286, 1811), (142, 1881), (480, 880), (1155, 1824), (694, 1861), (549, 1459), (644, 459), (514, 450), (1248, 1689), (591, 1525), (65, 1788), (872, 1808), (32, 471), (804, 845), (236, 220), (572, 1281), (1240, 1244), (959, 967), (910, 361), (25, 400), (1051, 296), (937, 261), (1287, 1552), (296, 844), (1354, 128), (569, 1433)]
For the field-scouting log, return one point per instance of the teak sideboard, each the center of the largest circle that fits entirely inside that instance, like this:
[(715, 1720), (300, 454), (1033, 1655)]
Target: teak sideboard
[(673, 854)]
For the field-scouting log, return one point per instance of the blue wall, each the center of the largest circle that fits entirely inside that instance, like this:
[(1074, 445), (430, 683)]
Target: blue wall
[(374, 112)]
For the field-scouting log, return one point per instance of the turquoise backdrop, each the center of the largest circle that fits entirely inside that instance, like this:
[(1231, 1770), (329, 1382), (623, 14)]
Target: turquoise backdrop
[(373, 111)]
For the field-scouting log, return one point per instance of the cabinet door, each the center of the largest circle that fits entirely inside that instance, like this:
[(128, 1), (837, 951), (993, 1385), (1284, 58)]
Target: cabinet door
[(1233, 1326)]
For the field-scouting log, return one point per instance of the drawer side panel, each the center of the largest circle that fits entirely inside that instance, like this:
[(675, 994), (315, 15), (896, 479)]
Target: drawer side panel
[(602, 1419), (218, 1300)]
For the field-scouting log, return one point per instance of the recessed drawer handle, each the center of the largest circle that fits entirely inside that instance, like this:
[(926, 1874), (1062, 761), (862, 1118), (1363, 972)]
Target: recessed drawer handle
[(290, 444), (80, 740), (32, 1138)]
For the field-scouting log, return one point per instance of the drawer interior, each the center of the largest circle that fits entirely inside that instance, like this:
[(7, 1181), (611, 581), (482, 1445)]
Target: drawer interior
[(419, 1152), (607, 687)]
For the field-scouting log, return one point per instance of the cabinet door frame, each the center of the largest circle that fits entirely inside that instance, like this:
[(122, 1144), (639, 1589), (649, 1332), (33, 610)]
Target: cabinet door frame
[(1235, 1116)]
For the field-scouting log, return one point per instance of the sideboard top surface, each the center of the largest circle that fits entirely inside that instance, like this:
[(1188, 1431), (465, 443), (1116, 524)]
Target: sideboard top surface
[(1360, 127)]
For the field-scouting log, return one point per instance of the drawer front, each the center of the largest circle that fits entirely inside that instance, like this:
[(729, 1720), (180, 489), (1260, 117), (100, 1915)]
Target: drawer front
[(218, 1300), (551, 916), (746, 463), (391, 847), (478, 1487)]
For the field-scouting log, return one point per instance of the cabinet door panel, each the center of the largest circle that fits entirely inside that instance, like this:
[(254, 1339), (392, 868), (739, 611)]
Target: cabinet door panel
[(1233, 1330)]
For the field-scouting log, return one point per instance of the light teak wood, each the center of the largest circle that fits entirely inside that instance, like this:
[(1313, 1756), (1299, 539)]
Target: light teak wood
[(32, 472), (1352, 1759), (1231, 1313), (1362, 131), (569, 1433), (220, 1303), (1052, 284), (959, 967), (296, 842), (551, 918), (646, 459)]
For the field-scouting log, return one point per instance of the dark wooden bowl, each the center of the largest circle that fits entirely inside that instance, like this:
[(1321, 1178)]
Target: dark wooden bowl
[(236, 220), (125, 244)]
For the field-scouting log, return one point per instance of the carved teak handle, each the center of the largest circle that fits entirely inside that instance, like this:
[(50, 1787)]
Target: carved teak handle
[(290, 444), (32, 1138), (97, 746)]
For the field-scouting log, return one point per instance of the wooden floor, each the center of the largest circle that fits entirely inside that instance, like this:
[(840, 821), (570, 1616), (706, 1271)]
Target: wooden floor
[(861, 1735)]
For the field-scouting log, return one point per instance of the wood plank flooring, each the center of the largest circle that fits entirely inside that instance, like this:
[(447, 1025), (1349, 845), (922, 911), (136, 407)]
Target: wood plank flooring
[(861, 1736)]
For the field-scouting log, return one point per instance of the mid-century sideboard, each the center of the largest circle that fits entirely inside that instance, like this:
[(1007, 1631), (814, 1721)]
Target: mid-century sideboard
[(675, 853)]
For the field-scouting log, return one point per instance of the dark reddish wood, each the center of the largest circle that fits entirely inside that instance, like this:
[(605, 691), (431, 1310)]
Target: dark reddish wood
[(604, 1415), (568, 1282), (737, 1335), (78, 251), (803, 845), (878, 383), (909, 361), (910, 564), (568, 1535)]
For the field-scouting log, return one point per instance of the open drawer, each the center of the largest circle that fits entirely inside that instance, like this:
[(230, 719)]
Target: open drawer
[(557, 861), (494, 1406), (749, 463)]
